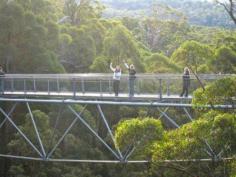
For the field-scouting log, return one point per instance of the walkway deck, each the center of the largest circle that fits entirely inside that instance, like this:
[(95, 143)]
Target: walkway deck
[(96, 96)]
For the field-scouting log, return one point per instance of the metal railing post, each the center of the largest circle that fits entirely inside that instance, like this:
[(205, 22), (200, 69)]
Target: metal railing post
[(74, 87), (160, 89), (2, 80), (110, 86), (138, 86), (48, 87), (34, 84), (82, 86), (100, 87), (12, 85), (168, 87), (58, 85), (24, 86)]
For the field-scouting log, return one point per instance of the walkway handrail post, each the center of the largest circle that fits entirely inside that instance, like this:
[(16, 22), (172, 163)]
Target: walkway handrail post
[(160, 89), (2, 80), (100, 86), (138, 86), (34, 84), (12, 84), (58, 85), (48, 87), (74, 87), (24, 86), (110, 83), (82, 85), (168, 87)]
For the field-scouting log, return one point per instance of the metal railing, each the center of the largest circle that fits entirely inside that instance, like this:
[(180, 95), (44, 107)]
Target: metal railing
[(152, 84)]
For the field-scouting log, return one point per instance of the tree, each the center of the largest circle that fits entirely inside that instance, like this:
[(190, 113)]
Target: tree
[(119, 45), (18, 146), (82, 11), (230, 7), (225, 60), (158, 63), (27, 40), (194, 55), (138, 134), (213, 133), (219, 92), (79, 49)]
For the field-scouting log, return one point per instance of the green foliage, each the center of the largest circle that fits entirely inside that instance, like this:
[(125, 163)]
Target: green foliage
[(81, 12), (202, 13), (20, 147), (192, 54), (158, 63), (182, 143), (191, 141), (138, 133), (225, 60), (118, 45), (28, 39), (219, 92), (34, 40)]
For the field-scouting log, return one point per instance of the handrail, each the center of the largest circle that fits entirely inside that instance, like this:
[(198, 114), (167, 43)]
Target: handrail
[(72, 85), (109, 75)]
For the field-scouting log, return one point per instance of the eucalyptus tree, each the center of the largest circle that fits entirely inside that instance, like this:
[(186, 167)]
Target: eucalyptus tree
[(230, 8), (194, 55)]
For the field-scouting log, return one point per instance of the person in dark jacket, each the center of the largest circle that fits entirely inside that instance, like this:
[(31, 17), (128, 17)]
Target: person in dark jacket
[(132, 78), (1, 79), (186, 82)]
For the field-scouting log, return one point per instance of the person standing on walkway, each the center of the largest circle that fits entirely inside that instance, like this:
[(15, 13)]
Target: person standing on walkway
[(116, 78), (132, 78), (2, 73), (186, 82)]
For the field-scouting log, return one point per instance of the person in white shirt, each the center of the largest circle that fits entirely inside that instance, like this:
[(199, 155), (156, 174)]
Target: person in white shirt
[(116, 78)]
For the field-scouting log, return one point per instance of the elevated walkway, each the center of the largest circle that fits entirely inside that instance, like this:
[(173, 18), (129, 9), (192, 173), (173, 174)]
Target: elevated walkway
[(159, 92), (148, 87)]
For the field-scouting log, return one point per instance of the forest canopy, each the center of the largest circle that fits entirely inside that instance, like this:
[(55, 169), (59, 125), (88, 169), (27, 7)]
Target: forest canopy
[(85, 36)]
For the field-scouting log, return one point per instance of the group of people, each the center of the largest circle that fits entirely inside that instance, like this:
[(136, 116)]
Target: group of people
[(132, 77), (117, 76)]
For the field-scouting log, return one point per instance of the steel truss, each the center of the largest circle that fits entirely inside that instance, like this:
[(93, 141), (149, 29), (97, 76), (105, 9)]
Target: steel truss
[(117, 154)]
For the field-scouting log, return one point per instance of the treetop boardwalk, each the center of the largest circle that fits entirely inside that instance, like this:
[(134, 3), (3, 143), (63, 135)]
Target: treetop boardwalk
[(148, 87), (157, 91)]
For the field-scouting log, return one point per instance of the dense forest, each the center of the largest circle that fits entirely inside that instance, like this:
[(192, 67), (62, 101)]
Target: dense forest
[(69, 36), (198, 12)]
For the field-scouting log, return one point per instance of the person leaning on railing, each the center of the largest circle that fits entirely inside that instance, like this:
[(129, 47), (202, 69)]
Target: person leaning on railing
[(132, 78), (116, 78), (2, 73), (186, 82)]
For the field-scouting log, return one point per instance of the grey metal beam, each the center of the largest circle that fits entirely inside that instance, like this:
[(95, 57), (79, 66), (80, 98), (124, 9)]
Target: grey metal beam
[(188, 114), (115, 161), (21, 133), (105, 76), (165, 111), (130, 153), (36, 130), (65, 133), (9, 113), (94, 132), (118, 102), (168, 118), (109, 130)]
